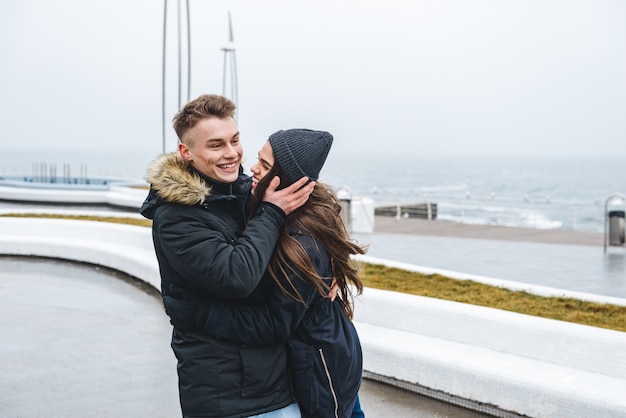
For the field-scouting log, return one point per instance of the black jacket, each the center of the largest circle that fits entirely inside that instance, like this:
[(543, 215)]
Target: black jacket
[(322, 343), (204, 247)]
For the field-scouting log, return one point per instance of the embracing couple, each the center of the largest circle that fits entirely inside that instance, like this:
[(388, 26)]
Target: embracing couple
[(256, 274)]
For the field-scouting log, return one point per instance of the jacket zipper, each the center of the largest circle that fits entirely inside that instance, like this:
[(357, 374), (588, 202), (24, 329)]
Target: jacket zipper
[(330, 382)]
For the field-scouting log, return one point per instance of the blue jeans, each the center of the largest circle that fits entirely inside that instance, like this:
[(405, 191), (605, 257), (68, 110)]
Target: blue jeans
[(290, 411), (357, 412)]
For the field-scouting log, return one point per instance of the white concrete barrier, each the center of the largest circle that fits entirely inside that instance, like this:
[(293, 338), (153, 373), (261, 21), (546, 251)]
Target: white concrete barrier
[(526, 365), (125, 248), (124, 196)]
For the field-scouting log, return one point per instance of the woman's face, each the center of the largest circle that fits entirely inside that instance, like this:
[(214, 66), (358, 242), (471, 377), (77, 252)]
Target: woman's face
[(263, 165)]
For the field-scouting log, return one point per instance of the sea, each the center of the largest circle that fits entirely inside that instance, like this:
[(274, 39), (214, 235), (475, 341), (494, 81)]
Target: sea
[(581, 193)]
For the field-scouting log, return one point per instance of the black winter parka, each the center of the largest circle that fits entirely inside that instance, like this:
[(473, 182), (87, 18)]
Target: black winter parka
[(206, 246), (322, 343)]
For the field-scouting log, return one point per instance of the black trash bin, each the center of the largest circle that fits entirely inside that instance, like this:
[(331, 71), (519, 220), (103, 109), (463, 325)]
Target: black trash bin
[(616, 227)]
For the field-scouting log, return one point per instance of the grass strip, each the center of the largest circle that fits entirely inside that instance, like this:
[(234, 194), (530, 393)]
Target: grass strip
[(475, 293), (110, 219)]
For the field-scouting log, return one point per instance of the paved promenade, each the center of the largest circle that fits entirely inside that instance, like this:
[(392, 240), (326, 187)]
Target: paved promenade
[(569, 260)]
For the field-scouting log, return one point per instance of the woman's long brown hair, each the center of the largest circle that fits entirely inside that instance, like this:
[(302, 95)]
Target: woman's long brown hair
[(319, 218)]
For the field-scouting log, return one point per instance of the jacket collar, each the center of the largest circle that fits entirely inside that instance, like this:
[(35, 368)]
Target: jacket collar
[(173, 180)]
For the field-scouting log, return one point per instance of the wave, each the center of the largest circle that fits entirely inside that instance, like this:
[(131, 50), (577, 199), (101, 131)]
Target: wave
[(534, 220)]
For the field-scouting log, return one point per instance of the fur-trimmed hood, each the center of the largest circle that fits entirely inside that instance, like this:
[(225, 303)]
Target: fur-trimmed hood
[(173, 180)]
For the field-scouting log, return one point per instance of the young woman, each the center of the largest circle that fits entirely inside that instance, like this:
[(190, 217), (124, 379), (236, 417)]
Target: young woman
[(207, 242), (314, 248)]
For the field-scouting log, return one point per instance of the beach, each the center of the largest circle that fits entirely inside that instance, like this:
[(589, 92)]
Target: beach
[(391, 225)]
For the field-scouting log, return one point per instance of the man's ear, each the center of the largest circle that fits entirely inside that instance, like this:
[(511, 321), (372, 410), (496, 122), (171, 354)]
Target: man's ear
[(183, 150)]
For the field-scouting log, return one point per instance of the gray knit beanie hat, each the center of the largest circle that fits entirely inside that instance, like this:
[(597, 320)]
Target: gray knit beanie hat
[(301, 152)]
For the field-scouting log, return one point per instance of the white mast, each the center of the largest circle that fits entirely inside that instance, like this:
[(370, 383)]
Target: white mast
[(230, 65)]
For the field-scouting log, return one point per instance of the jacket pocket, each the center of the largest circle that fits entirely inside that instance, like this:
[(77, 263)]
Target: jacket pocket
[(303, 358), (264, 370)]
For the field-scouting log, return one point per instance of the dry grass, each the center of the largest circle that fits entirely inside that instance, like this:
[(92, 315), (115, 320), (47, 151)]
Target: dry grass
[(465, 291), (112, 219)]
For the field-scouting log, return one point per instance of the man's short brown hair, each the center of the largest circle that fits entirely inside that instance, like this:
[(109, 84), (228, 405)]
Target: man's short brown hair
[(204, 107)]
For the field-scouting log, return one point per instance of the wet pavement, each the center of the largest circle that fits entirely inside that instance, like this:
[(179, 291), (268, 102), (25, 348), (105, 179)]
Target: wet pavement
[(560, 259), (78, 340)]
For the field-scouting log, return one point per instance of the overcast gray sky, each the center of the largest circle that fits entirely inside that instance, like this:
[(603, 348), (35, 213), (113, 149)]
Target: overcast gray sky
[(429, 77)]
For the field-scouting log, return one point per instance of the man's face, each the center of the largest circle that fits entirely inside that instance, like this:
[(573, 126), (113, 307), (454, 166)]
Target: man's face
[(263, 165), (213, 148)]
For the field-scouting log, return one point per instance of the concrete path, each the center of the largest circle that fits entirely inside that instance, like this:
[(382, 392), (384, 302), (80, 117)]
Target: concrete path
[(568, 260), (81, 341)]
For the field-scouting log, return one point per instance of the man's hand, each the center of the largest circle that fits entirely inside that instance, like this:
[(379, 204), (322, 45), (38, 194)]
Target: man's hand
[(290, 198), (186, 314)]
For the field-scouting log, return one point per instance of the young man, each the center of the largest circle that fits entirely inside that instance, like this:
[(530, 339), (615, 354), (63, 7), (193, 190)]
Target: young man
[(208, 243)]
